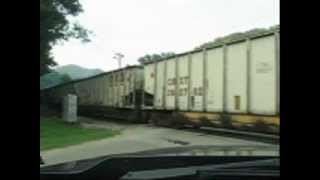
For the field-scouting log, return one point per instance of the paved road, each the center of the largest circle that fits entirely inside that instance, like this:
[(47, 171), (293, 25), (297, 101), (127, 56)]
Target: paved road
[(135, 138)]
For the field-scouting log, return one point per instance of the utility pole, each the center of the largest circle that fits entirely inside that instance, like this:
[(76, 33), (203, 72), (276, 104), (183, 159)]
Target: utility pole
[(118, 56)]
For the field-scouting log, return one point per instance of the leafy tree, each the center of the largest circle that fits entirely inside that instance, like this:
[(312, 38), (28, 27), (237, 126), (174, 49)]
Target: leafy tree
[(55, 27), (237, 36), (154, 57)]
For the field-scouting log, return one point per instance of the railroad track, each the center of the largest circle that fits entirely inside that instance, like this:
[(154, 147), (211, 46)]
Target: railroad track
[(253, 136), (240, 134)]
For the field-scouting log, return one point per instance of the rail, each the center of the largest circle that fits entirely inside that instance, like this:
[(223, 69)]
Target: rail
[(248, 135)]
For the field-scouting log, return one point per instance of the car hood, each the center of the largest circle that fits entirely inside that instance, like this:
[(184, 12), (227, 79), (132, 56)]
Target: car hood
[(232, 150), (257, 150)]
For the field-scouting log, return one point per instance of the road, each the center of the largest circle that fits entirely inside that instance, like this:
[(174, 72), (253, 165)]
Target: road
[(134, 138)]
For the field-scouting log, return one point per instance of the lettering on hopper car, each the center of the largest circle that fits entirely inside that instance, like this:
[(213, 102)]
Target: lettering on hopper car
[(172, 81), (181, 81), (183, 92), (183, 89), (170, 92), (263, 67), (197, 91)]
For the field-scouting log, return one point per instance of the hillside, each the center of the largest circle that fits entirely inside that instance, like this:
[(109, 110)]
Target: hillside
[(77, 72), (66, 73)]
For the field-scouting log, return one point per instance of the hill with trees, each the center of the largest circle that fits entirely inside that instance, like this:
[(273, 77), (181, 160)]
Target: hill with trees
[(154, 57), (66, 73)]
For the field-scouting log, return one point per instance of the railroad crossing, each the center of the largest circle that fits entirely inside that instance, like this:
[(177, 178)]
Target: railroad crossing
[(135, 138)]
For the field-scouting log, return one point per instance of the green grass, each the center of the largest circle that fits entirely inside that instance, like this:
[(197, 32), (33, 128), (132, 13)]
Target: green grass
[(54, 133)]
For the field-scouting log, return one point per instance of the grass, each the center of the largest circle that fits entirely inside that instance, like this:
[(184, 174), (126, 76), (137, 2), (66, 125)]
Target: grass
[(54, 133)]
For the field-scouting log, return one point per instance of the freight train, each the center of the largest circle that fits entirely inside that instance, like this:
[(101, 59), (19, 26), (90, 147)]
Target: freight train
[(231, 85), (115, 94)]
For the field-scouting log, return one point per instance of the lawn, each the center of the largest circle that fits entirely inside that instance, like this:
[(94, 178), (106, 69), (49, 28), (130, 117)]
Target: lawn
[(54, 133)]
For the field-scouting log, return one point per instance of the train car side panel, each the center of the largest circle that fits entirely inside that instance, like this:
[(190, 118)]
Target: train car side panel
[(263, 76), (171, 82), (100, 90), (215, 80), (117, 89), (109, 90), (105, 89), (159, 103), (236, 92), (197, 88), (149, 84), (183, 80), (82, 91)]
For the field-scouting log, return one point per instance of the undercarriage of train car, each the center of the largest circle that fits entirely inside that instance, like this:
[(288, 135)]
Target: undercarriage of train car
[(242, 122)]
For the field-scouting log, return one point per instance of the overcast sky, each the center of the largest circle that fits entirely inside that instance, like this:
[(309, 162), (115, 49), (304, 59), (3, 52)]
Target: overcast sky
[(138, 27)]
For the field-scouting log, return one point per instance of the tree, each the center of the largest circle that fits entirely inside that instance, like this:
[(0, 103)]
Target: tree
[(55, 27), (237, 36), (154, 57)]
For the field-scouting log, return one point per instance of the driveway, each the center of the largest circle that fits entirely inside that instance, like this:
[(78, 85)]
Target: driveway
[(134, 138)]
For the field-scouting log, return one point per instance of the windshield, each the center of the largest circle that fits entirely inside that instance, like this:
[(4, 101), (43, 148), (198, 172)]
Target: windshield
[(158, 78)]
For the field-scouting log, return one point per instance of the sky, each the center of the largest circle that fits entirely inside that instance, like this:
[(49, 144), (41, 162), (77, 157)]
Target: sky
[(139, 27)]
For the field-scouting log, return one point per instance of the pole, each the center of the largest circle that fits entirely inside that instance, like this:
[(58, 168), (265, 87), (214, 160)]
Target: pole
[(119, 62), (118, 56)]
